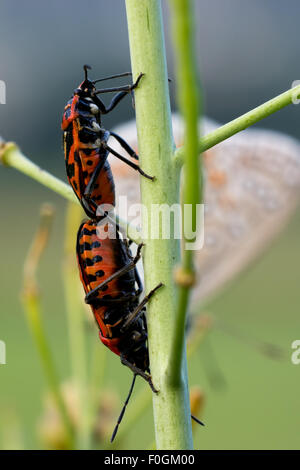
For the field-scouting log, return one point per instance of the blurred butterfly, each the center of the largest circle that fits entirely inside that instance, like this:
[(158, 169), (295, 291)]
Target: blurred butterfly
[(252, 185)]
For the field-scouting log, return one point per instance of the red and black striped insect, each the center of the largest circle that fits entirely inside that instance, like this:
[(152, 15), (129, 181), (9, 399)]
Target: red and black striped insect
[(112, 285), (85, 144)]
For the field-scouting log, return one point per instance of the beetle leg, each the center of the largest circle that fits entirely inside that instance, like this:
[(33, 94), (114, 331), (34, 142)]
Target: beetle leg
[(140, 372), (130, 163), (125, 145), (132, 317)]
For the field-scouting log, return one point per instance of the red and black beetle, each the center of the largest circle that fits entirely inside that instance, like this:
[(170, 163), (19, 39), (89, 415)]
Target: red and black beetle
[(112, 285), (85, 144)]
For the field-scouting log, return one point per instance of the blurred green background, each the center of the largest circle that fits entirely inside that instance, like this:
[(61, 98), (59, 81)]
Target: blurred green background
[(247, 54)]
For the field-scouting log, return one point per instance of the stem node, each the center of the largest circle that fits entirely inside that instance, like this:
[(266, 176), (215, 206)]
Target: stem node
[(184, 277)]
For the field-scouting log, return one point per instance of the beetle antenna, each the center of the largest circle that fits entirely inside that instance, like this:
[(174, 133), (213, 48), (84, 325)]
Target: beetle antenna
[(123, 409), (86, 68), (125, 74), (197, 420)]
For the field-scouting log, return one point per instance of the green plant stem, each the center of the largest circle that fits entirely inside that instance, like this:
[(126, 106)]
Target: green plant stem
[(11, 156), (32, 307), (242, 122), (156, 146), (188, 98), (75, 315)]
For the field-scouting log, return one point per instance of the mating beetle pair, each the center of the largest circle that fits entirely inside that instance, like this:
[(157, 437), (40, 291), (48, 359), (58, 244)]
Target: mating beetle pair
[(107, 268)]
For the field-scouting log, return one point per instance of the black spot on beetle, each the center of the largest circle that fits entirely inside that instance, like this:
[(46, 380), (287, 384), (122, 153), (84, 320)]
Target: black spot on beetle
[(100, 273), (88, 262), (97, 259), (95, 245)]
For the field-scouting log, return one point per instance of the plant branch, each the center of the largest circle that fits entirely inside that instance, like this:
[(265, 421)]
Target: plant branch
[(189, 104), (156, 146), (243, 122), (11, 155)]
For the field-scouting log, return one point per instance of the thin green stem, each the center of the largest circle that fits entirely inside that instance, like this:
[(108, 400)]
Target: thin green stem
[(32, 307), (156, 146), (242, 122), (188, 98), (11, 156)]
